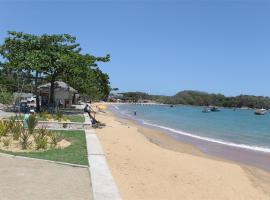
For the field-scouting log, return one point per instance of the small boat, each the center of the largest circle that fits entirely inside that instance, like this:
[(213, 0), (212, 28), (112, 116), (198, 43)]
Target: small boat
[(171, 106), (214, 109), (206, 110), (260, 111)]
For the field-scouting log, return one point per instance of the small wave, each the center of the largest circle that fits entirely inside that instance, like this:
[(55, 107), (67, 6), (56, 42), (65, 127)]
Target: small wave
[(243, 146), (116, 107)]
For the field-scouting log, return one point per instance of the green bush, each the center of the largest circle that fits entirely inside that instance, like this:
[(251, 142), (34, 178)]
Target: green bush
[(41, 143), (16, 131), (55, 138), (24, 139), (32, 123), (41, 138), (59, 115), (42, 132), (6, 98), (3, 128)]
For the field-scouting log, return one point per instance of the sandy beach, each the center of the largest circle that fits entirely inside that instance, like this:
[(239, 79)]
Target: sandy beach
[(149, 165)]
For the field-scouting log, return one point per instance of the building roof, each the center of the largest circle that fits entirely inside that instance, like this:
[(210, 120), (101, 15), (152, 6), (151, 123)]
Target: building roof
[(58, 84)]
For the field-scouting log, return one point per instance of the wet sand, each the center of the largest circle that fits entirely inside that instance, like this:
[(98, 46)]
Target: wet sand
[(150, 164)]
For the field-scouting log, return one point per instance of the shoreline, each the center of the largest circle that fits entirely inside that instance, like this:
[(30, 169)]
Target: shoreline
[(232, 153), (258, 178)]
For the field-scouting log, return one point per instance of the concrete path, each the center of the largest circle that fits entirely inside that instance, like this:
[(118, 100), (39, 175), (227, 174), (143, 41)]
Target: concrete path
[(4, 114), (104, 187), (29, 179)]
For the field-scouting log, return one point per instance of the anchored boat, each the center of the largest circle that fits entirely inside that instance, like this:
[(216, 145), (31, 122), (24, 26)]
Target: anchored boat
[(260, 111), (206, 110), (214, 109)]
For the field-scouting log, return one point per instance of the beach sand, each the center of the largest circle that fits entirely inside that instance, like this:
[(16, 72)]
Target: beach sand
[(149, 165)]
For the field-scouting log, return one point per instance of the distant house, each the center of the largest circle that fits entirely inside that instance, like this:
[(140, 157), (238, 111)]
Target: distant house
[(115, 97), (64, 95), (23, 97)]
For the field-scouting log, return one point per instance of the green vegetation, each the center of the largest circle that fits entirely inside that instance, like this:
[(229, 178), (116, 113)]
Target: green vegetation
[(6, 97), (63, 146), (16, 131), (76, 153), (29, 60), (41, 139), (45, 116), (55, 138), (202, 99), (59, 116), (27, 138), (76, 118), (24, 139), (4, 128)]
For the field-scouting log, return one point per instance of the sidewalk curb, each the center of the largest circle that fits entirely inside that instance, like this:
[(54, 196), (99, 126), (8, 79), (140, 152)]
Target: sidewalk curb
[(103, 185), (45, 160)]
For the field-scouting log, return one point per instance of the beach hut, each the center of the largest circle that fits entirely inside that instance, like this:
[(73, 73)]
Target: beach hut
[(64, 95)]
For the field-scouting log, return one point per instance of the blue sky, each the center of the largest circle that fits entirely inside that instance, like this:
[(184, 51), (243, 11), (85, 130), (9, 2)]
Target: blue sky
[(161, 47)]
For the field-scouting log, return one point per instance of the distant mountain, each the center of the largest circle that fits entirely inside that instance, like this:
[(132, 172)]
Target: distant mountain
[(190, 97)]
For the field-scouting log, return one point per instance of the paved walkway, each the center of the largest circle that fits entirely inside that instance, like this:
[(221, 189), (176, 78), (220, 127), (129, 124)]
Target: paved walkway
[(4, 114), (103, 185), (28, 179)]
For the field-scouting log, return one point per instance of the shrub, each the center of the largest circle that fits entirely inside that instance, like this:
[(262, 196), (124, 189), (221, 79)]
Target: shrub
[(41, 142), (3, 128), (11, 123), (44, 115), (24, 139), (6, 98), (41, 138), (32, 123), (55, 138), (16, 131), (59, 115), (6, 141), (42, 132)]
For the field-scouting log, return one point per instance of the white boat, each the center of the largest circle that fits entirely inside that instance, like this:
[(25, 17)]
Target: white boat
[(206, 110), (260, 111)]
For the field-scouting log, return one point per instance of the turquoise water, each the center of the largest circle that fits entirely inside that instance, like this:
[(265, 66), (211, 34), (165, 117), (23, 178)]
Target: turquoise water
[(240, 128)]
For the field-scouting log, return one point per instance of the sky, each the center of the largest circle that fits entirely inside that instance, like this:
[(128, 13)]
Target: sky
[(161, 47)]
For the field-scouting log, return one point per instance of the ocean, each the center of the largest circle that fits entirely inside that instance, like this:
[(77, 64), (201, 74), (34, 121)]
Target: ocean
[(240, 128)]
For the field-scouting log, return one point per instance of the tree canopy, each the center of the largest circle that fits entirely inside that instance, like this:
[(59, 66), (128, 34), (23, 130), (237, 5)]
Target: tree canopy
[(54, 57)]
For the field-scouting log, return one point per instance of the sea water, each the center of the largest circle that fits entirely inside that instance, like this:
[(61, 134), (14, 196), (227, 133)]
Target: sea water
[(238, 128)]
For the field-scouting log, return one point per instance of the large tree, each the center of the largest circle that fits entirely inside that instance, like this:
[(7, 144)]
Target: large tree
[(52, 57)]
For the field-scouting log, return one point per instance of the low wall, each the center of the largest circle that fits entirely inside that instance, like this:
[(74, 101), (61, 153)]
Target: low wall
[(64, 125)]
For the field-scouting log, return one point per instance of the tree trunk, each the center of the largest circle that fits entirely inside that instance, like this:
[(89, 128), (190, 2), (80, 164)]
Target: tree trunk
[(37, 93), (51, 100)]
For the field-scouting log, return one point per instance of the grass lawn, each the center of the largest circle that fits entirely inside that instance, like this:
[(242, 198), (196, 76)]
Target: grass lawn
[(75, 118), (76, 153)]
